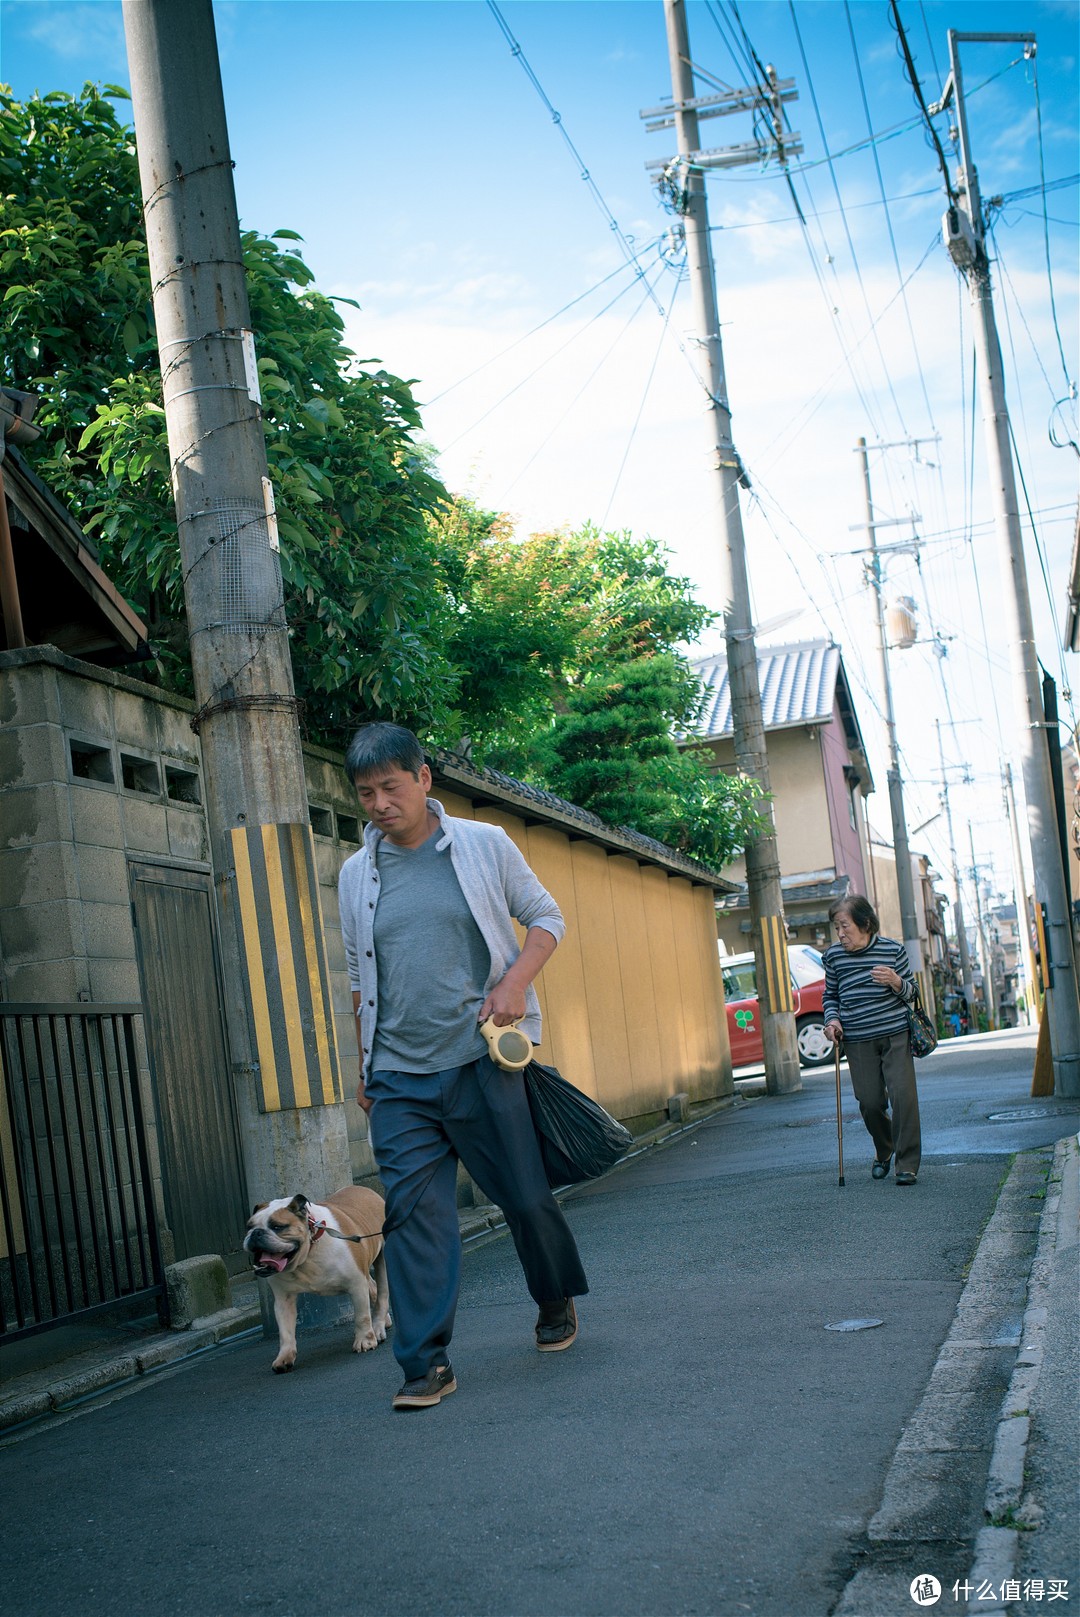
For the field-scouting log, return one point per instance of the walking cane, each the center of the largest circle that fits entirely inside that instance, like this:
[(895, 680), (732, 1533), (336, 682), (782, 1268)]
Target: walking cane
[(839, 1115)]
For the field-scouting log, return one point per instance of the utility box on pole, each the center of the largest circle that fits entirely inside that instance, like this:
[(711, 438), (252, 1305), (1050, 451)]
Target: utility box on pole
[(782, 1072), (286, 1079)]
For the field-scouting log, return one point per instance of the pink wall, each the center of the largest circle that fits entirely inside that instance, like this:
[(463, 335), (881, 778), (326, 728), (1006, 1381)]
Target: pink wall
[(847, 848)]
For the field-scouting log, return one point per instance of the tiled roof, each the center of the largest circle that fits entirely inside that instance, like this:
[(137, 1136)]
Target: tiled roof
[(798, 686), (491, 785), (795, 892)]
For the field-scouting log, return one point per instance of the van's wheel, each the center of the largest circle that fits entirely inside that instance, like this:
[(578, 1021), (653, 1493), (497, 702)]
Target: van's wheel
[(815, 1050)]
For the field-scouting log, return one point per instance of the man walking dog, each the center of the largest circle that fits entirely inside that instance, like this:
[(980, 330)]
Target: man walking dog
[(426, 912)]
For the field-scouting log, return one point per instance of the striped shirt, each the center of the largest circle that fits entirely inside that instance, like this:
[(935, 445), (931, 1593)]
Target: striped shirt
[(866, 1009)]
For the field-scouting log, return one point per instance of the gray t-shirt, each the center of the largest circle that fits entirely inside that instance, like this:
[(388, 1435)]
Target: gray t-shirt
[(432, 962)]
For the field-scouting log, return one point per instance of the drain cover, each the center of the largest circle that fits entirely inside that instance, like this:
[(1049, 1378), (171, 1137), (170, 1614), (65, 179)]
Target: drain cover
[(855, 1325)]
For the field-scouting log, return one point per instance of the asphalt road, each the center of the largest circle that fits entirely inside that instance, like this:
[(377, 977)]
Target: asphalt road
[(707, 1447)]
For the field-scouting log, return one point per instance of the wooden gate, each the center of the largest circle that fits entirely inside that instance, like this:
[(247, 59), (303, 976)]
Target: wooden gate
[(205, 1202)]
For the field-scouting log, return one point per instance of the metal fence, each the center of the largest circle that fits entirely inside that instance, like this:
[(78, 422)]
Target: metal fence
[(78, 1225)]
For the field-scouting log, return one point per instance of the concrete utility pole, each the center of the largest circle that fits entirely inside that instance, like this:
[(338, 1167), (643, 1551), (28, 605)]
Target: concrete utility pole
[(909, 920), (965, 238), (782, 1074), (961, 931), (276, 982), (985, 947), (1020, 891)]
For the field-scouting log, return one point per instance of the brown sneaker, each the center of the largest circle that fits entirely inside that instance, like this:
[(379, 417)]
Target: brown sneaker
[(556, 1325), (426, 1390)]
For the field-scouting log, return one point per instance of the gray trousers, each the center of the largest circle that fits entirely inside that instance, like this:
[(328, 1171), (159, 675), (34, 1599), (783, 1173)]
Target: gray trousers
[(883, 1075), (421, 1124)]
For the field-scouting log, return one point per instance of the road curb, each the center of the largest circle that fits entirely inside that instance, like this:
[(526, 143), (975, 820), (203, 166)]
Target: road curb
[(997, 1545), (59, 1389)]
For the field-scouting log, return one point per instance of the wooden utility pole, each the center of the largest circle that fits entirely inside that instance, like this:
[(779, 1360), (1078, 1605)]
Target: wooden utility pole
[(985, 943), (964, 233), (277, 1003), (961, 930), (1020, 890), (909, 921), (768, 932)]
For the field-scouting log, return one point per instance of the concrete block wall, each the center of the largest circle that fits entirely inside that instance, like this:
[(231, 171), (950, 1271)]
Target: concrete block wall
[(96, 769)]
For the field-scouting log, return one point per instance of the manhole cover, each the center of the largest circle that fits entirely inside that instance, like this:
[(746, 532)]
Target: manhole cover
[(1021, 1114), (855, 1325)]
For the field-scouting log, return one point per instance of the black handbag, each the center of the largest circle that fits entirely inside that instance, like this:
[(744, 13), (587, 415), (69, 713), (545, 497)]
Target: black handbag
[(578, 1139), (921, 1031)]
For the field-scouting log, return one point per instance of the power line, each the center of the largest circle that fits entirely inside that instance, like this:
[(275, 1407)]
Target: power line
[(620, 269), (625, 241), (1046, 223), (641, 407), (601, 362), (913, 80), (573, 337), (1007, 278), (851, 207), (843, 213), (811, 408), (888, 217)]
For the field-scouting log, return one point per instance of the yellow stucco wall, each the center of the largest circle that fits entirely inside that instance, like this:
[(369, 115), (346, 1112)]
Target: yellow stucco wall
[(632, 999)]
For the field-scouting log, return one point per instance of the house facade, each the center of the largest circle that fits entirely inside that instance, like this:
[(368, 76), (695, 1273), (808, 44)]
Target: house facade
[(820, 778)]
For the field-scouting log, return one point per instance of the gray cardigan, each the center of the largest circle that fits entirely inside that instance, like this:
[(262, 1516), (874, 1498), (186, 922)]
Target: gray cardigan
[(497, 884)]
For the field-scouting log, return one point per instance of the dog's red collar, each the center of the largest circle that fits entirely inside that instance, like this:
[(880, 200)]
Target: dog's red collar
[(315, 1230)]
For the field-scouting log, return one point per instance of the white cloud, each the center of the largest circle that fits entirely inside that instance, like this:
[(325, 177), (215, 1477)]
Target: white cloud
[(75, 30)]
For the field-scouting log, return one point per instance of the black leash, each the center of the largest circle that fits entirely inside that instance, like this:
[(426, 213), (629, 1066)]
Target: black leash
[(318, 1230)]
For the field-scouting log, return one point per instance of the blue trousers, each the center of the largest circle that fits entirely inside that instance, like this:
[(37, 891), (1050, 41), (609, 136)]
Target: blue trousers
[(421, 1124)]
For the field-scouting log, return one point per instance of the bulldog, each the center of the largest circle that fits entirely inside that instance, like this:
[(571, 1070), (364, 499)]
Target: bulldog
[(291, 1245)]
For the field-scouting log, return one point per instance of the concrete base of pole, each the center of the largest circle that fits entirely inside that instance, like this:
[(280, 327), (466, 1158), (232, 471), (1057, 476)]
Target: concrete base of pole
[(294, 1152), (783, 1072), (1067, 1078)]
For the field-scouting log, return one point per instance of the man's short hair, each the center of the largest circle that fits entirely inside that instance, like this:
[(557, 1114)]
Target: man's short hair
[(383, 746)]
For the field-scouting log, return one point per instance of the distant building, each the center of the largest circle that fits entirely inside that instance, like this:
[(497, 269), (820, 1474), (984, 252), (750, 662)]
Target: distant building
[(820, 778)]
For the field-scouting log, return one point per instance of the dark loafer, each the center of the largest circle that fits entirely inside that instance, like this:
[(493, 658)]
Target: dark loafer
[(556, 1325), (906, 1179), (425, 1391), (880, 1170)]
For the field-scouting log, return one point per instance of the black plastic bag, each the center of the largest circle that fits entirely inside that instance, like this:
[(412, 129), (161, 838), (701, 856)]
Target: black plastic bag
[(578, 1139)]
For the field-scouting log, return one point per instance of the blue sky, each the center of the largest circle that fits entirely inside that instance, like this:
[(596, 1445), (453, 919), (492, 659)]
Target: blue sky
[(405, 143)]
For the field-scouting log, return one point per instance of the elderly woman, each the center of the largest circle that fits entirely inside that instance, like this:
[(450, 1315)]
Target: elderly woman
[(868, 987)]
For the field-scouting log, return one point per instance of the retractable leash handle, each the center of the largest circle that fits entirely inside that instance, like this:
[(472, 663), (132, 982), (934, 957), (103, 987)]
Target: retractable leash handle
[(839, 1113), (510, 1049)]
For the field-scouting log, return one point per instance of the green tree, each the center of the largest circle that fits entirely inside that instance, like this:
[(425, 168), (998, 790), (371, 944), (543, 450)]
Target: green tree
[(543, 651), (566, 647), (354, 492), (520, 617), (613, 752)]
